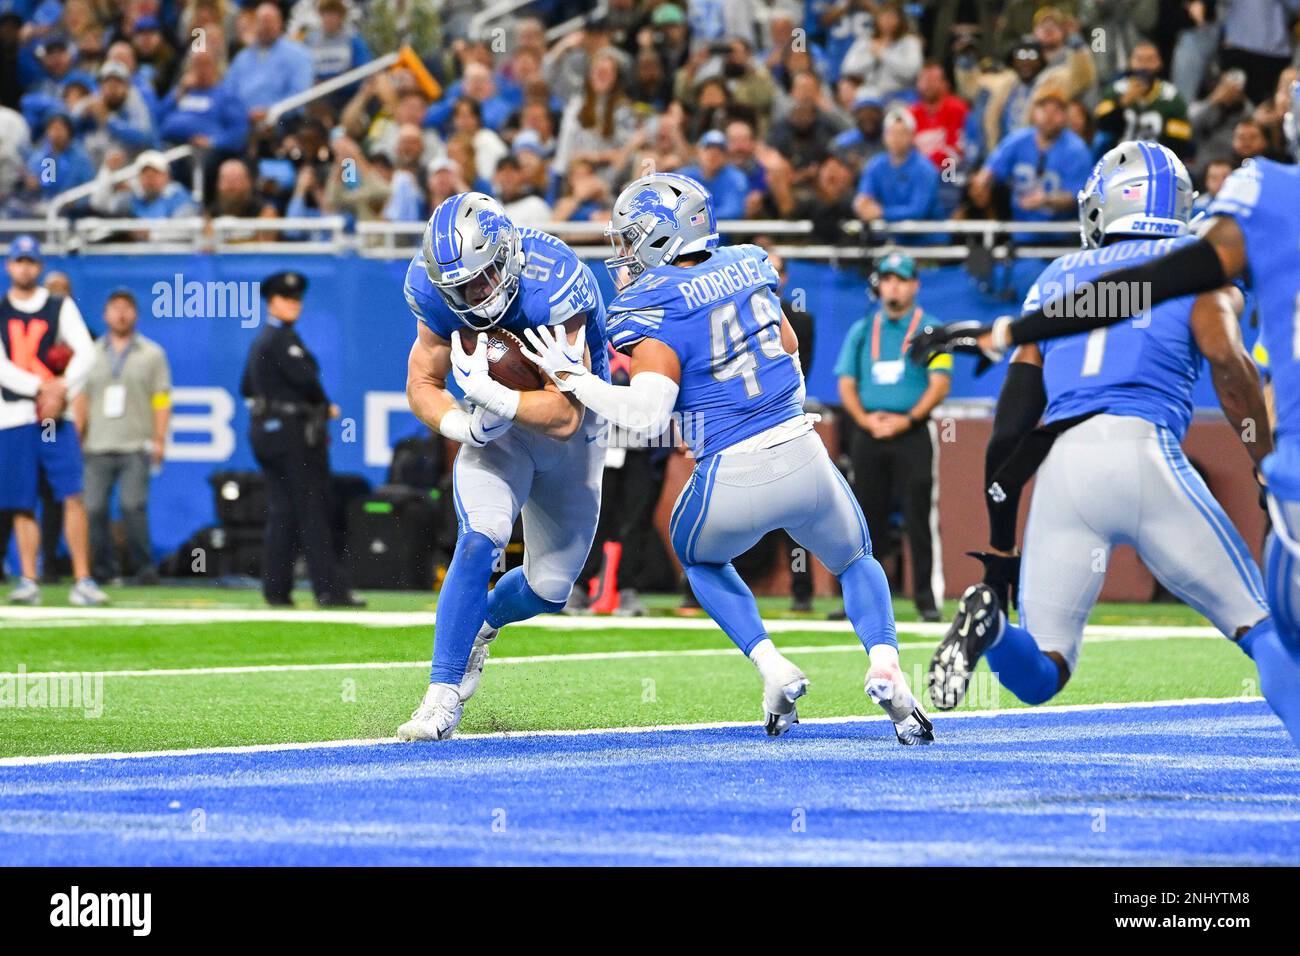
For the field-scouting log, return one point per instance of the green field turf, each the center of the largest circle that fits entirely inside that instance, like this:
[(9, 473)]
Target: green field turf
[(154, 712)]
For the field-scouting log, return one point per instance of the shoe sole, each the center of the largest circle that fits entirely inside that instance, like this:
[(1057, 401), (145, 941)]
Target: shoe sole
[(952, 663)]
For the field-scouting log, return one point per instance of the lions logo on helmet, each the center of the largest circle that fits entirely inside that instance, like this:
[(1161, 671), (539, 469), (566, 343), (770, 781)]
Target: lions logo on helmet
[(473, 258), (656, 219), (648, 203), (491, 224), (1136, 189)]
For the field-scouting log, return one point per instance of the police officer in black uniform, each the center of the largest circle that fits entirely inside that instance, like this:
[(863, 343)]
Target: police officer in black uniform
[(289, 411)]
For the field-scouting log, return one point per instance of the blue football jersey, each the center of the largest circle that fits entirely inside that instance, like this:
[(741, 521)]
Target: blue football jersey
[(1264, 198), (555, 285), (1145, 368), (723, 320)]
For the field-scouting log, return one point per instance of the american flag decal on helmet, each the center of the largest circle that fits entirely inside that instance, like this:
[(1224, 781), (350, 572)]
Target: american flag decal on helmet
[(698, 219)]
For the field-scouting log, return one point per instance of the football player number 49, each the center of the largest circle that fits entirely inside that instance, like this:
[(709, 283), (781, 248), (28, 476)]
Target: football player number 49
[(732, 356)]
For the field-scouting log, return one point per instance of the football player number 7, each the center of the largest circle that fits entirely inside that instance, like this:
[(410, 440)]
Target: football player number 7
[(730, 346)]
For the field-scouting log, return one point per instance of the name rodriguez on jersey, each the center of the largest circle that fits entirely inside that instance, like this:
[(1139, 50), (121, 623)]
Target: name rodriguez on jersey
[(720, 283)]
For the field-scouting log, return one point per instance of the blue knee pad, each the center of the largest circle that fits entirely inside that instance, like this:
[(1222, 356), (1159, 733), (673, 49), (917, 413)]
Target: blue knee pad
[(462, 606), (513, 599), (1021, 667), (1279, 673), (867, 602)]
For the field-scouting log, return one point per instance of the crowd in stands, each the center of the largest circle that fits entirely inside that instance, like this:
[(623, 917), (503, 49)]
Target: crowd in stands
[(827, 110)]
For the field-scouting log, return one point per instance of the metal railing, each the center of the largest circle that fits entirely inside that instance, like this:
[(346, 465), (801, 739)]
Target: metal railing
[(329, 235), (119, 176), (479, 22)]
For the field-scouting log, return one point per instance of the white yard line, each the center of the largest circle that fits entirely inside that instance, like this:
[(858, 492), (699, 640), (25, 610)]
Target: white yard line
[(659, 728), (530, 659), (56, 616)]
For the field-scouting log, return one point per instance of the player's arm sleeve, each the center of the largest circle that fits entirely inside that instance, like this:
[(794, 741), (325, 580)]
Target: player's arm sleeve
[(1020, 405), (1191, 269), (628, 326), (644, 407), (74, 334)]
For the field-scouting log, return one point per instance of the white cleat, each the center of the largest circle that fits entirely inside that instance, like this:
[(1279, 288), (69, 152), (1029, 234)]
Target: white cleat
[(783, 684), (888, 687), (26, 591), (436, 717), (86, 593), (478, 655)]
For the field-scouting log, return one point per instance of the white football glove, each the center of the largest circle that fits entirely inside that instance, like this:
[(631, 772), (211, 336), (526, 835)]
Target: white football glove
[(455, 424), (471, 373), (555, 355), (486, 427)]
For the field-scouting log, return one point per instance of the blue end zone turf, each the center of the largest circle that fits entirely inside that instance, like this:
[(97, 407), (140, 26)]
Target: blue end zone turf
[(1193, 784)]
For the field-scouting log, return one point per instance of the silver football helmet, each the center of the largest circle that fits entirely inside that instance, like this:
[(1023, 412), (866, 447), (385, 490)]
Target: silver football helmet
[(1291, 122), (473, 257), (1136, 189), (656, 219)]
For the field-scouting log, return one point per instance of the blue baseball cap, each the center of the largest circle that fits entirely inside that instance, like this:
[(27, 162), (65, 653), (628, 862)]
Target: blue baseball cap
[(714, 137), (897, 264), (24, 247)]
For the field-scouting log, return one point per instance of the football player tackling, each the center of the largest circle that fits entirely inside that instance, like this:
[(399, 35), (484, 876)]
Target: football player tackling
[(478, 272), (1118, 402), (707, 337)]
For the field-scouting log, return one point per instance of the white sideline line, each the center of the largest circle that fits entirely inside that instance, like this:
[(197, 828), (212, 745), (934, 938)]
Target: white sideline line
[(501, 735), (10, 616), (530, 659)]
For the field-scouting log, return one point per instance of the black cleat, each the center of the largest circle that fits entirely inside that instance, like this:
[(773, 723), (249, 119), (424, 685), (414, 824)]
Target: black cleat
[(976, 626)]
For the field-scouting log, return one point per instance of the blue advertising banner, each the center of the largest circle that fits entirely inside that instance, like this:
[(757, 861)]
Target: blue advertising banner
[(205, 312)]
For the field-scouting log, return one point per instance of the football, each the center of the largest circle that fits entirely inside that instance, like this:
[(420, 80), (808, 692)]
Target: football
[(57, 358), (506, 361)]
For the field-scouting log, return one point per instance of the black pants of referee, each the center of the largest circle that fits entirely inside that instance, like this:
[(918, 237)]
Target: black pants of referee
[(899, 469)]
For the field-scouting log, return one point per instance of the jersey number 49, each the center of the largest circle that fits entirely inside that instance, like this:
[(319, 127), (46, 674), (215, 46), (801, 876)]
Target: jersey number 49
[(734, 333)]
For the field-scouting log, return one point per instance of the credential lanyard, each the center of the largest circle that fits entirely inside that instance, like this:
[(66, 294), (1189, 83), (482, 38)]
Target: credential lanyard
[(875, 334), (117, 360)]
